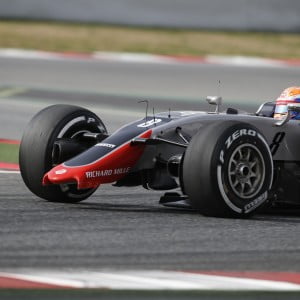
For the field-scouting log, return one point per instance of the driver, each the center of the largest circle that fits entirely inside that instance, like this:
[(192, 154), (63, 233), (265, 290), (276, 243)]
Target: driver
[(289, 95)]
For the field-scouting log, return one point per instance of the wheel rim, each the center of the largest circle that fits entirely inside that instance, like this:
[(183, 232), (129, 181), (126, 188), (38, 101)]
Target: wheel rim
[(246, 171)]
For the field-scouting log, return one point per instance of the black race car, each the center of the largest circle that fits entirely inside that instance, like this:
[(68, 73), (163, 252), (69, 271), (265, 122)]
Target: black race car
[(221, 164)]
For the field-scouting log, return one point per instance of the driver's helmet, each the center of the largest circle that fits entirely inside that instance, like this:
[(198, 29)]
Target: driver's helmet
[(289, 95)]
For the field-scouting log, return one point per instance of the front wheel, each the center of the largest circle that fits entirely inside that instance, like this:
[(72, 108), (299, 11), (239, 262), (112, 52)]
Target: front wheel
[(36, 156), (228, 170)]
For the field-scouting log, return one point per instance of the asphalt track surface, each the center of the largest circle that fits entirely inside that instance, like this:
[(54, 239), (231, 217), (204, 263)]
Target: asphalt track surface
[(126, 228)]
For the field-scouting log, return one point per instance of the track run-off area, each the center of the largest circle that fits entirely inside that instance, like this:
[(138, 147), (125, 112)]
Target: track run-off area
[(121, 238)]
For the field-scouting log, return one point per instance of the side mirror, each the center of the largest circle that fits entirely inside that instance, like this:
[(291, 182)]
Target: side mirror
[(267, 109), (215, 100), (291, 107)]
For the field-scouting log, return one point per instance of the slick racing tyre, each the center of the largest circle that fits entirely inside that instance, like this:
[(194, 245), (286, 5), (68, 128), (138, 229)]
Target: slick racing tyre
[(228, 170), (57, 122)]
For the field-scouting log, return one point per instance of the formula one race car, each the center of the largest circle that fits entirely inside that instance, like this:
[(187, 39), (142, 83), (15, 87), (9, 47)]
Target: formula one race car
[(222, 164)]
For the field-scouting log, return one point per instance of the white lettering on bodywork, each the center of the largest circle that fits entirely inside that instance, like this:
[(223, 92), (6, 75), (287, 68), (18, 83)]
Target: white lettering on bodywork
[(100, 173), (61, 171), (150, 122), (104, 173), (105, 145)]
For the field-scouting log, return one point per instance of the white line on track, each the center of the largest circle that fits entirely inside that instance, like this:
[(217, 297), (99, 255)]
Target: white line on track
[(150, 280), (9, 172)]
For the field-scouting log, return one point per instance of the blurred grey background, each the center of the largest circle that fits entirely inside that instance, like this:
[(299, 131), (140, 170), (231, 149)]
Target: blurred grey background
[(264, 15)]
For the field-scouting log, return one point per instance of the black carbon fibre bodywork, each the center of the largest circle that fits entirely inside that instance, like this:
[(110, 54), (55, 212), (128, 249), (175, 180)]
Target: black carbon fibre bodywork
[(283, 142), (179, 127), (123, 135)]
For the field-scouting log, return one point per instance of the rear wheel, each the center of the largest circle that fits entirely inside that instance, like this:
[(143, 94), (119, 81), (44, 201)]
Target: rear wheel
[(38, 147), (228, 170)]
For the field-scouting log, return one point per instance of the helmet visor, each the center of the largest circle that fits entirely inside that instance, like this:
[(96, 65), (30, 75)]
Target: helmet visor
[(281, 109)]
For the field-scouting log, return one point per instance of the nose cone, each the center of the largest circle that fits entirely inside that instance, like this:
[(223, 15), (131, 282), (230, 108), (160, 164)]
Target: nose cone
[(65, 175), (109, 168), (58, 175)]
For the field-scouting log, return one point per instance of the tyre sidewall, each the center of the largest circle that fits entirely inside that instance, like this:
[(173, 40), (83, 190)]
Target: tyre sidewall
[(37, 144), (235, 136)]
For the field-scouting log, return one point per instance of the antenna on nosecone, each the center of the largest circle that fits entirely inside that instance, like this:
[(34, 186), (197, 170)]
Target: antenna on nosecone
[(147, 105), (154, 117)]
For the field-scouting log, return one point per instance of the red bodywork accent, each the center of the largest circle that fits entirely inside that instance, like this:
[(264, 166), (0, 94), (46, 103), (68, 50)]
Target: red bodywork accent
[(110, 168)]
